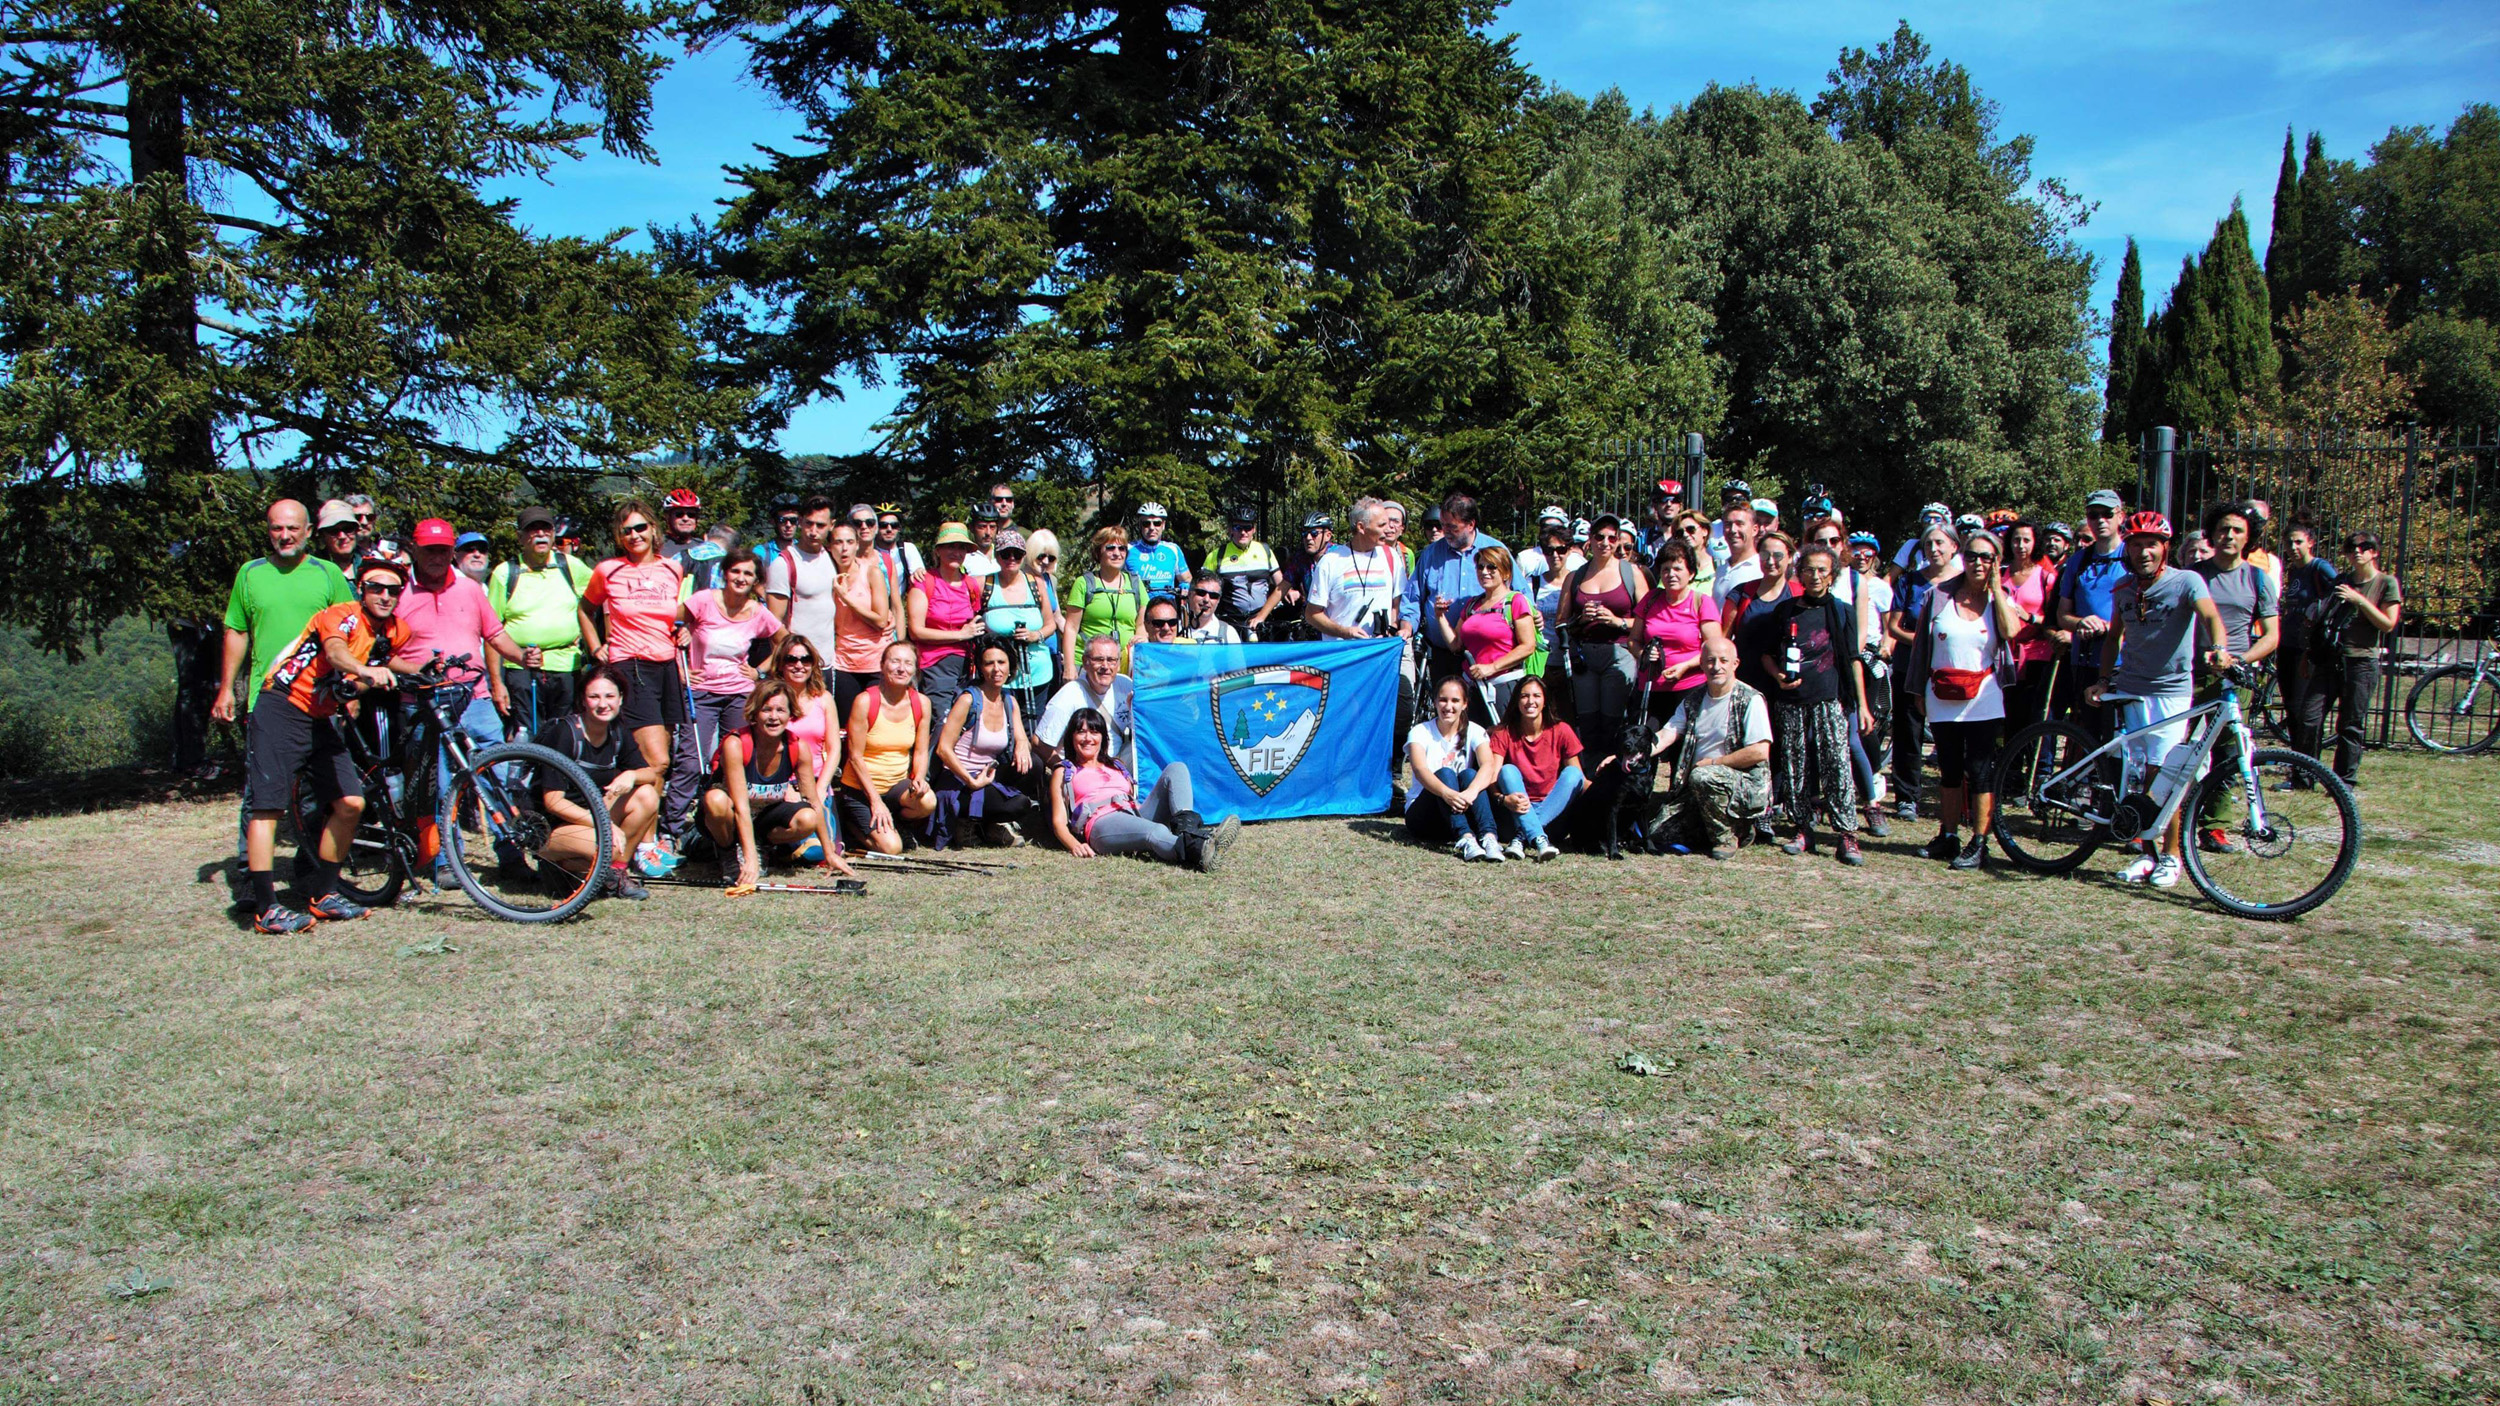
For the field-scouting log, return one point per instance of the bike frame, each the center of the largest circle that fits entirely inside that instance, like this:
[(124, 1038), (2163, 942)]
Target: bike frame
[(2231, 720), (412, 755)]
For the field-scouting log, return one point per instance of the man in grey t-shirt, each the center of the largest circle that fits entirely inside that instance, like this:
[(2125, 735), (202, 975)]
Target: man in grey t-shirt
[(2149, 661), (2245, 597)]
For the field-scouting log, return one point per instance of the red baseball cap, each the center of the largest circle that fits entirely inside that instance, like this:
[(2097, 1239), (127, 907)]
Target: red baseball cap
[(433, 532)]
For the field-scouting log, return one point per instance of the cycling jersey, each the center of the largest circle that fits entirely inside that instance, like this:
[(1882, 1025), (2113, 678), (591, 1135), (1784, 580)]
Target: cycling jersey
[(305, 663), (1163, 567)]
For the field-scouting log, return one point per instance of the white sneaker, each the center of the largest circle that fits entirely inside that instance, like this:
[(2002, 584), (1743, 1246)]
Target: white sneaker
[(1516, 849), (2140, 870), (2166, 872), (1467, 849), (1545, 850), (1489, 850)]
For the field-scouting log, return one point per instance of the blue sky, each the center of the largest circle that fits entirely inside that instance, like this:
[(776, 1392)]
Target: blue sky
[(2160, 113)]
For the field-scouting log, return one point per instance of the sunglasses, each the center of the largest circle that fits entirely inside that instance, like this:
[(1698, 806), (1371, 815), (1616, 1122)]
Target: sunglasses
[(378, 589), (635, 527), (802, 660), (1163, 624), (2361, 546), (1047, 556), (1981, 556), (787, 518), (1206, 595), (2100, 512), (890, 522), (1313, 531), (1002, 497)]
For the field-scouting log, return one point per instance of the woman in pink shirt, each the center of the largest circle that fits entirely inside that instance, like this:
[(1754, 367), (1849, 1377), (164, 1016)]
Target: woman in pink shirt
[(1497, 633), (1669, 627), (2031, 579), (945, 611), (724, 624)]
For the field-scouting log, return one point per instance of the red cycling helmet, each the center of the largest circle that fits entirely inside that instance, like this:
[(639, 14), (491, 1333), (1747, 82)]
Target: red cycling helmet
[(682, 498), (2147, 524)]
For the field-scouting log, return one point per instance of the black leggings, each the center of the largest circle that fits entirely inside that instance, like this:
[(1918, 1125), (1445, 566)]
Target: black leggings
[(1968, 752)]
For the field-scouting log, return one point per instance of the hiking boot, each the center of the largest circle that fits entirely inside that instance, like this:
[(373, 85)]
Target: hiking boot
[(621, 883), (1944, 847), (1849, 851), (1975, 854), (1213, 843), (2213, 839), (1876, 825), (1722, 853), (336, 908), (1802, 844), (278, 920), (1907, 810)]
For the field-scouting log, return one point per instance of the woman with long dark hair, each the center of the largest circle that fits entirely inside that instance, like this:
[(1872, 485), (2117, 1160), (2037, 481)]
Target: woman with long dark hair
[(1597, 610), (593, 736), (2031, 582), (1540, 772), (983, 754), (1094, 807)]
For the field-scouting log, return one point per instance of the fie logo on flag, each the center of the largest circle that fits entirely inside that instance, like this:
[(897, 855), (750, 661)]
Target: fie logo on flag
[(1265, 720)]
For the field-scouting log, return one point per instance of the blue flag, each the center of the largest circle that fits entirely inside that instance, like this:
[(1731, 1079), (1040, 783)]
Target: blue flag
[(1270, 730)]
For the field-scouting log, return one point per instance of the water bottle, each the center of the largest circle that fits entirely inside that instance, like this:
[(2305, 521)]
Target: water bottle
[(1796, 660), (2174, 772)]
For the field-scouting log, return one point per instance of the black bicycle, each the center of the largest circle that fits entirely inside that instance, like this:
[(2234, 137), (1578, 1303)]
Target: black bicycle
[(492, 829)]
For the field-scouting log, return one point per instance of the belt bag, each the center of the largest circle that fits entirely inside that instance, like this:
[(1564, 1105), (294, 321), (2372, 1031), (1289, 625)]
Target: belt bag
[(1958, 685)]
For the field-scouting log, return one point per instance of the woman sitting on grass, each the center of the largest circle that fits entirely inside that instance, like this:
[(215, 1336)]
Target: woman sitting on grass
[(1540, 772), (594, 737), (887, 779), (1451, 762), (1094, 809), (982, 752), (764, 786)]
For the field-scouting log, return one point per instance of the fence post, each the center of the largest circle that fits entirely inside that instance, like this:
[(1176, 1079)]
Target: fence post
[(2164, 456), (1693, 462), (2389, 650)]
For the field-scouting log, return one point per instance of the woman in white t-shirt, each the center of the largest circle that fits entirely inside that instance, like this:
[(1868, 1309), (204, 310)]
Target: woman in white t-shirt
[(1966, 620), (1451, 760)]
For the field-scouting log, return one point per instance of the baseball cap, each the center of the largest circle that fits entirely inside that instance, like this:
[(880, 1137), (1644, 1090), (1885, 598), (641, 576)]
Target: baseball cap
[(1606, 520), (953, 534), (433, 532), (1553, 513), (2104, 498), (1008, 541), (469, 539), (1151, 510), (534, 517), (334, 514), (1766, 507)]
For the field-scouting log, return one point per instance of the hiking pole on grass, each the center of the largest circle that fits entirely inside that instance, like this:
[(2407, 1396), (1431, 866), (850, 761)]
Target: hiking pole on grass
[(895, 863)]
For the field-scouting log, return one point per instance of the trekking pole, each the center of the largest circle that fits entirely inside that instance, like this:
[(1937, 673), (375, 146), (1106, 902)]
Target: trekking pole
[(895, 863), (533, 702)]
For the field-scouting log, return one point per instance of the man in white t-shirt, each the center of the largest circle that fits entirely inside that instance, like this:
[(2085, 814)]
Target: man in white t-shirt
[(1101, 686), (1722, 781), (1356, 586), (1743, 564), (798, 586)]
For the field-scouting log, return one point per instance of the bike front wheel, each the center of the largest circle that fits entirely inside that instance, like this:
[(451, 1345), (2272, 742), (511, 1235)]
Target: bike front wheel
[(497, 862), (2455, 710), (2040, 825), (377, 863), (2282, 851)]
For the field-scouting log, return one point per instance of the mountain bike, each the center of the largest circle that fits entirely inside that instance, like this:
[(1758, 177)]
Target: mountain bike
[(2293, 829), (493, 805), (2456, 708)]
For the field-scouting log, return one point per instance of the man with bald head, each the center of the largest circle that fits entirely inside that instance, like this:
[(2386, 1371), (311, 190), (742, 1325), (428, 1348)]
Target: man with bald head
[(274, 596), (1722, 778)]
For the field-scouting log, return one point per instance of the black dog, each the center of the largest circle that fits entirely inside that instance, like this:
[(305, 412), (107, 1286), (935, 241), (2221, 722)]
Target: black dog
[(1626, 785)]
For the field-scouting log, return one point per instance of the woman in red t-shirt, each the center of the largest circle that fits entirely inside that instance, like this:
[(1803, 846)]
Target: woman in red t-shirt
[(1540, 773)]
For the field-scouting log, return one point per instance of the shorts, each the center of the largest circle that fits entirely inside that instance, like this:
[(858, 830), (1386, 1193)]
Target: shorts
[(777, 815), (555, 694), (2167, 716), (285, 738), (1966, 753), (852, 805), (655, 693)]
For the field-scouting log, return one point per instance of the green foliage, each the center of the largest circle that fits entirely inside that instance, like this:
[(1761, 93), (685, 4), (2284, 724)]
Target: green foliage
[(251, 236), (2213, 351), (2284, 284), (2126, 349), (115, 709)]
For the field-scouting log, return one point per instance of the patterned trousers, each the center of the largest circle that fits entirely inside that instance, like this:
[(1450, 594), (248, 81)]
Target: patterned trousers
[(1714, 801), (1813, 756)]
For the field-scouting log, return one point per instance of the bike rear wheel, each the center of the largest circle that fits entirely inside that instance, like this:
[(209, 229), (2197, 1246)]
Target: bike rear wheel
[(497, 864), (2038, 825), (2454, 710), (2296, 858), (376, 867)]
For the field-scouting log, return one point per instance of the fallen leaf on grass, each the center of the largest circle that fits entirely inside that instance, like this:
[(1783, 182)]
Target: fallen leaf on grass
[(137, 1284), (436, 946), (1644, 1066)]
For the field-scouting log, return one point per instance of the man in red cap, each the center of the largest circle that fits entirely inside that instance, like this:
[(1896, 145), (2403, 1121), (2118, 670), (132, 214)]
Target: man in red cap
[(448, 614)]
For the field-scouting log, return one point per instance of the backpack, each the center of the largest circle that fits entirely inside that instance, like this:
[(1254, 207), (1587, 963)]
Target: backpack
[(1083, 592), (564, 563)]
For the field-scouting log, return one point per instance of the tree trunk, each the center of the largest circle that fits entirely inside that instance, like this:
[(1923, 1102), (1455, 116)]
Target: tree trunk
[(168, 302)]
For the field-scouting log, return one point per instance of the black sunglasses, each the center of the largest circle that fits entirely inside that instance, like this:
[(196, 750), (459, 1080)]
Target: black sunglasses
[(790, 659), (2100, 512), (1207, 595), (376, 588), (889, 522), (1163, 622), (635, 527), (2361, 546)]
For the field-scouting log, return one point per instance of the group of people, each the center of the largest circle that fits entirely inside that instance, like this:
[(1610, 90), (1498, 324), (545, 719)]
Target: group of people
[(1712, 680)]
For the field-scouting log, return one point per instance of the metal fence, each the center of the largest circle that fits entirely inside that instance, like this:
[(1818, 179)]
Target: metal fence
[(2428, 496)]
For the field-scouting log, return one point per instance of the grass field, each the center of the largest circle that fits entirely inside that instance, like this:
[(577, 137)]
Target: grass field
[(1342, 1125)]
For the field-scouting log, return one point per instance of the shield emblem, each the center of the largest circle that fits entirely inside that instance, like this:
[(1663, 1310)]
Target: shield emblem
[(1265, 720)]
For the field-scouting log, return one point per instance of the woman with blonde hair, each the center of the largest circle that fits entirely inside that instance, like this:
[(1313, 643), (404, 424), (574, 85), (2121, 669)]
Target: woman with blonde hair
[(1108, 599)]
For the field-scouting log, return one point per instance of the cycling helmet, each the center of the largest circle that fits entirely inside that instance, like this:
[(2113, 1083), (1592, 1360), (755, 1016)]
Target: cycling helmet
[(680, 498), (2148, 524), (1934, 512), (2000, 519), (1968, 523), (1865, 539), (2060, 529), (1736, 488)]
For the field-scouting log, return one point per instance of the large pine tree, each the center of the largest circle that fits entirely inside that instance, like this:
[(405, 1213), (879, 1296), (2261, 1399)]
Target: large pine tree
[(2126, 348), (252, 236), (2218, 349), (2284, 279)]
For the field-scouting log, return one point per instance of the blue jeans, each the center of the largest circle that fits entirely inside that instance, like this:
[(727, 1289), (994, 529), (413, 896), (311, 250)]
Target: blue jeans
[(1430, 819), (1531, 822), (482, 725)]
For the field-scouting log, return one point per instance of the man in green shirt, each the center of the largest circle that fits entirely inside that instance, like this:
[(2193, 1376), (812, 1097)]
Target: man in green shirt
[(274, 597), (539, 597)]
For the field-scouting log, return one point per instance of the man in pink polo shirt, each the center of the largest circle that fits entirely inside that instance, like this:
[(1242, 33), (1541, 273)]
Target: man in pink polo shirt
[(448, 614)]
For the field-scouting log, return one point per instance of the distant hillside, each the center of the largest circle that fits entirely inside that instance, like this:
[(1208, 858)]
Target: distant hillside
[(112, 708)]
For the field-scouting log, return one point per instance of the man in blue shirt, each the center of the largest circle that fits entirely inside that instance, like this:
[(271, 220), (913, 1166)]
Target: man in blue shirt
[(1160, 565), (1445, 581), (2086, 586)]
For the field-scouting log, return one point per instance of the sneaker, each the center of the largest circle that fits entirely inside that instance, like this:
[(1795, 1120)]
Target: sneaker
[(2138, 871), (1849, 852), (1516, 849), (1763, 834), (445, 881), (336, 908), (1467, 849), (1973, 855), (621, 883), (278, 920), (812, 851), (1214, 840), (1489, 850), (1875, 822), (2216, 840), (1907, 810), (653, 862), (1545, 850), (2165, 873), (1722, 853), (1803, 843), (1944, 847)]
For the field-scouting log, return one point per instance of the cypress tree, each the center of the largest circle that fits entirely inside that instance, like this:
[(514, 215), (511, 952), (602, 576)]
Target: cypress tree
[(2193, 395), (2327, 261), (2283, 242), (2126, 347), (2235, 289)]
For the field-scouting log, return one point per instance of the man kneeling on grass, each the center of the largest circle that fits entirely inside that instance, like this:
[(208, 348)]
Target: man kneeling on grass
[(1722, 778)]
